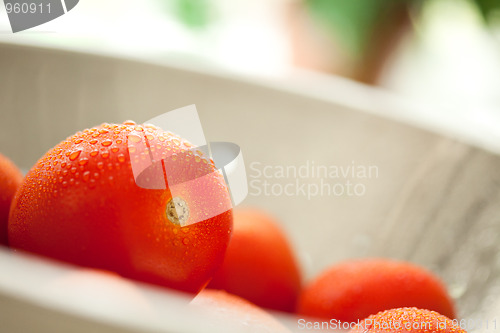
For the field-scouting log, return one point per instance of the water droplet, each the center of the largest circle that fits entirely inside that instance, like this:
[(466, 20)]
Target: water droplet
[(110, 166), (100, 165), (65, 172), (61, 179), (83, 161), (63, 164), (197, 159), (149, 137), (119, 141), (106, 143), (139, 129), (86, 176), (94, 153), (65, 183), (176, 142), (54, 193), (97, 175), (110, 178), (77, 175), (77, 141), (129, 122), (95, 135), (131, 149), (73, 169), (115, 149), (71, 181), (134, 138), (93, 141), (74, 155), (121, 158), (162, 138), (105, 154), (103, 131), (185, 241)]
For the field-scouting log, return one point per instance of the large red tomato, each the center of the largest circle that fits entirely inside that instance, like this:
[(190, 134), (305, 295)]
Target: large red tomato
[(10, 179), (80, 203)]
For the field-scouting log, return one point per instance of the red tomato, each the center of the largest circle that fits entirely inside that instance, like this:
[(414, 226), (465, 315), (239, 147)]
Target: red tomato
[(230, 311), (259, 264), (81, 204), (353, 290), (10, 179), (411, 320)]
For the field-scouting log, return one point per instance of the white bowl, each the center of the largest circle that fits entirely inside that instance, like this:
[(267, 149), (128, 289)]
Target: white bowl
[(430, 199)]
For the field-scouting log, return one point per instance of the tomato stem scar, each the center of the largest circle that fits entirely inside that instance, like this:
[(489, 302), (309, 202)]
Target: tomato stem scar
[(177, 211)]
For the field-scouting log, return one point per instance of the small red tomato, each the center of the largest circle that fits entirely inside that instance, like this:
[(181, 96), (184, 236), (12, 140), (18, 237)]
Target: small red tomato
[(411, 320), (80, 203), (232, 312), (10, 179), (353, 290), (259, 265)]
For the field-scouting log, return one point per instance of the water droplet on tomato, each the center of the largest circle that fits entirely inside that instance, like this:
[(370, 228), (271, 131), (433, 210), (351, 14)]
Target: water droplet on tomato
[(74, 155), (121, 158), (83, 161), (94, 153), (100, 165), (134, 138), (77, 141), (86, 176), (105, 154), (93, 141), (106, 143)]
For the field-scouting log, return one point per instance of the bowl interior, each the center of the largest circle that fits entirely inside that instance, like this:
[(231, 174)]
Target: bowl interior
[(344, 183)]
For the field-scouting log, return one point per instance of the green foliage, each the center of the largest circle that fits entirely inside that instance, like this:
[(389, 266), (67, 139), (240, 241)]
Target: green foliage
[(195, 14), (487, 7), (353, 21)]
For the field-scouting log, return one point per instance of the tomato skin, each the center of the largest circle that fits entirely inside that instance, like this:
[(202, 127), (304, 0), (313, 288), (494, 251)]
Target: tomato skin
[(228, 310), (411, 320), (353, 290), (259, 265), (10, 179), (88, 210)]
